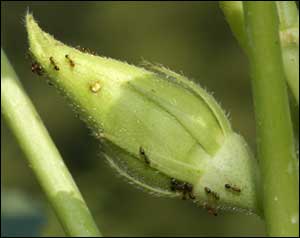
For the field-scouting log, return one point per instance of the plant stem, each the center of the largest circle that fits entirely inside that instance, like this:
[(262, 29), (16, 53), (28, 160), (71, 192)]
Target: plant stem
[(289, 36), (42, 156), (276, 150), (234, 14), (288, 14)]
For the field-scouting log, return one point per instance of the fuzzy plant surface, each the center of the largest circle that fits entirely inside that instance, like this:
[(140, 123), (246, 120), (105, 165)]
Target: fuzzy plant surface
[(157, 128)]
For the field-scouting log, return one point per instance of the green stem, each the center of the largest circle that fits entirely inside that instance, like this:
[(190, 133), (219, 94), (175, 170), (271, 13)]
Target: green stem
[(288, 14), (42, 156), (276, 150), (234, 14), (289, 36)]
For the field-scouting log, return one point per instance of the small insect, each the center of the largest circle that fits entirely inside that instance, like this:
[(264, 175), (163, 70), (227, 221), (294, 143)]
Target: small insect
[(207, 190), (184, 187), (210, 210), (71, 62), (232, 188), (144, 156), (189, 189), (210, 192), (37, 68), (53, 63), (95, 87)]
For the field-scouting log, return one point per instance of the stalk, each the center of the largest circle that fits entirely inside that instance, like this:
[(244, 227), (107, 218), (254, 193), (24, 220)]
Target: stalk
[(289, 37), (234, 14), (276, 150)]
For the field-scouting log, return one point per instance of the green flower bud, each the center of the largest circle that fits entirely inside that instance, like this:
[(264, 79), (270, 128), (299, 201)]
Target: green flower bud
[(157, 128)]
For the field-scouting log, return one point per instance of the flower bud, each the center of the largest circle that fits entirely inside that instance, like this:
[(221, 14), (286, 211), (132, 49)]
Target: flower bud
[(157, 128)]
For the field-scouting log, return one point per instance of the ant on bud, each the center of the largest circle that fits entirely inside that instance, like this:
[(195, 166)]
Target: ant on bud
[(184, 187), (53, 63), (214, 194), (232, 188), (37, 68), (72, 64), (210, 210)]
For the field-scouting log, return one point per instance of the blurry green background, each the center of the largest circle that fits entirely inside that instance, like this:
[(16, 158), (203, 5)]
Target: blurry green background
[(188, 37)]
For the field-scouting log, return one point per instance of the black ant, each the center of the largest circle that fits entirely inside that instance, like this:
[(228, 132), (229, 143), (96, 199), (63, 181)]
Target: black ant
[(210, 210), (37, 68), (184, 187), (70, 61), (232, 188), (53, 63), (214, 194)]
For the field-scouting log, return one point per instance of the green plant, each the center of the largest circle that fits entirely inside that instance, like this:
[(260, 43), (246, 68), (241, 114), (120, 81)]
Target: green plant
[(271, 48), (288, 34), (137, 153), (137, 114)]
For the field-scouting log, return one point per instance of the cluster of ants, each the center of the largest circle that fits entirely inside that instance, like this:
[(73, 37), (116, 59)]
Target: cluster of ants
[(38, 69), (186, 189)]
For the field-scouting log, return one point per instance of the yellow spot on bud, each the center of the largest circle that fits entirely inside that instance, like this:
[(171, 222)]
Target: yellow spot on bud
[(95, 87)]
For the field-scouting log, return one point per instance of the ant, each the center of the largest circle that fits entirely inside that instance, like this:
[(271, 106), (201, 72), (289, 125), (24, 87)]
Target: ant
[(214, 194), (37, 68), (210, 210), (53, 63), (184, 187), (232, 188), (70, 61)]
